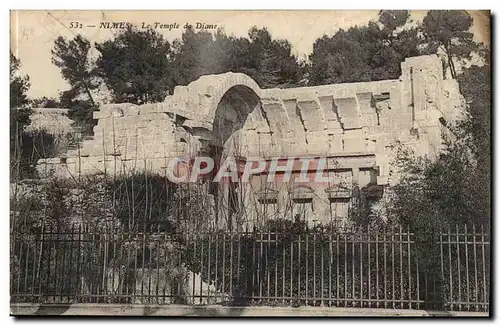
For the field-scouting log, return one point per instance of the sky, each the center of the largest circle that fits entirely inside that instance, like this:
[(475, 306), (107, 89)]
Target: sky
[(33, 32)]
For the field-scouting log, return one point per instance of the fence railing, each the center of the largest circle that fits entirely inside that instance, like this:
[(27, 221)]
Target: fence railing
[(447, 270)]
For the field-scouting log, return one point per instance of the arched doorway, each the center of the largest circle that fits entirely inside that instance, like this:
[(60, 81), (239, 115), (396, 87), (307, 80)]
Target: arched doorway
[(230, 116)]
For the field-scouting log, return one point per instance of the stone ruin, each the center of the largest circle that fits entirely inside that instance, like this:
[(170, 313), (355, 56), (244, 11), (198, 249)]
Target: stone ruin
[(356, 125)]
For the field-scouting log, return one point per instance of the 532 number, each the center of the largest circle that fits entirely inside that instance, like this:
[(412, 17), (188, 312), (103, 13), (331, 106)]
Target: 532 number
[(75, 25)]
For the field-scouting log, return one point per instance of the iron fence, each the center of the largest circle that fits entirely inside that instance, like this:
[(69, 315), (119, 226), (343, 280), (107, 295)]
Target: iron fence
[(391, 268)]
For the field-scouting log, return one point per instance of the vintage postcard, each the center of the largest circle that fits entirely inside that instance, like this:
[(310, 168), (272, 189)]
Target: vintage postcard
[(250, 163)]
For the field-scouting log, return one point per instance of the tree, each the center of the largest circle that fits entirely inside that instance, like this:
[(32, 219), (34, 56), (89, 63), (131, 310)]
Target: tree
[(449, 30), (475, 86), (136, 66), (437, 194), (270, 61), (20, 112), (19, 85), (338, 60), (365, 53), (199, 53), (72, 57)]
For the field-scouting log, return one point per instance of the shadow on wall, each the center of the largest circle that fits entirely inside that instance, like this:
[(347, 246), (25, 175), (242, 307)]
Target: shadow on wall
[(232, 112)]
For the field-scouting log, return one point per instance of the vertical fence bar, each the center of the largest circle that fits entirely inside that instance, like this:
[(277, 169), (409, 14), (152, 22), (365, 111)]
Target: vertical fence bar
[(165, 262), (59, 263), (322, 303), (401, 290), (48, 286), (59, 252), (157, 259), (299, 289), (260, 261), (377, 270), (314, 270), (194, 241), (223, 268), (150, 262), (209, 265), (458, 270), (369, 271), (393, 268), (275, 259), (330, 254), (353, 288), (450, 267), (307, 266), (417, 281), (216, 278), (71, 265), (56, 274), (361, 268), (135, 242), (337, 263), (283, 275), (441, 260), (385, 268), (238, 266), (466, 238), (231, 242), (81, 266), (202, 296), (291, 271), (26, 267), (39, 264), (117, 241), (476, 287), (345, 269), (485, 298), (409, 270), (143, 263), (254, 267), (105, 240), (267, 269), (19, 238), (128, 272), (94, 267)]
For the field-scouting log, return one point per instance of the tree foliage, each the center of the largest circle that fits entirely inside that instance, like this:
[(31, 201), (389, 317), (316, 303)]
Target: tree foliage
[(20, 112), (19, 85), (199, 53), (19, 102), (268, 61), (475, 86), (73, 58), (439, 194), (364, 53), (136, 66), (450, 31)]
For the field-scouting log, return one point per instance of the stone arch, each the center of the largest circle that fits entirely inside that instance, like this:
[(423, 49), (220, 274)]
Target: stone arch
[(214, 107), (200, 99)]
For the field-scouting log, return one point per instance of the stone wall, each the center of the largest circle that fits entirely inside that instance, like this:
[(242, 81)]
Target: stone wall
[(232, 112)]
